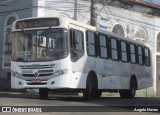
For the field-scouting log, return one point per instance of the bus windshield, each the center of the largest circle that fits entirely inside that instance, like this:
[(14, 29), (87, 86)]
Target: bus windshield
[(39, 45)]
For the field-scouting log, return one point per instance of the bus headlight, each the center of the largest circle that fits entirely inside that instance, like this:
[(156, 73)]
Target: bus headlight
[(60, 72), (15, 74)]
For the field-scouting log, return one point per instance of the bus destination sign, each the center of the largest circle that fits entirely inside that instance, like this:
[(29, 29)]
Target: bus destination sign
[(35, 23)]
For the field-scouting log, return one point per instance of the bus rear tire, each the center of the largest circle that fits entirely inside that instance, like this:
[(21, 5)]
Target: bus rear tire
[(133, 87), (43, 93), (131, 92), (123, 93)]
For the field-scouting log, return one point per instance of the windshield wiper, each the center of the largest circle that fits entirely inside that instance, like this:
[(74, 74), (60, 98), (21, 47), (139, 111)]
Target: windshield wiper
[(23, 27)]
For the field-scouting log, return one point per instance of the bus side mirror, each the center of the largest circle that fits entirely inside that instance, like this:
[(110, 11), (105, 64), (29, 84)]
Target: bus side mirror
[(8, 52), (5, 54)]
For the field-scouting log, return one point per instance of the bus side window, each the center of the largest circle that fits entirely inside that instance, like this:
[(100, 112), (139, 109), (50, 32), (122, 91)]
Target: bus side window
[(114, 49), (147, 57), (103, 46), (77, 47), (124, 52), (132, 53), (92, 49), (140, 55)]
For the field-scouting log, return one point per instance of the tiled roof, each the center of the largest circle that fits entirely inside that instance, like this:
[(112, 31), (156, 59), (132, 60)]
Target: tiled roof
[(143, 3)]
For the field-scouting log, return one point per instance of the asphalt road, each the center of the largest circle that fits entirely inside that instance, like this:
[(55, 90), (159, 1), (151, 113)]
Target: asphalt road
[(75, 104)]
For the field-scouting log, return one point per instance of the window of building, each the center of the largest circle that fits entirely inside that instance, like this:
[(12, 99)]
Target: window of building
[(91, 44), (158, 43), (124, 51), (77, 44), (132, 53), (118, 29), (103, 44), (7, 44), (141, 35), (114, 49)]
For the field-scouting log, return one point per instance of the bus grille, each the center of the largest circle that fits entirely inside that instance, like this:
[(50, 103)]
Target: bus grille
[(43, 70), (37, 66), (40, 75)]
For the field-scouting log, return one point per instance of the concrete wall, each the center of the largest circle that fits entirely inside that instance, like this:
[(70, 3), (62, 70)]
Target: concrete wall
[(20, 9)]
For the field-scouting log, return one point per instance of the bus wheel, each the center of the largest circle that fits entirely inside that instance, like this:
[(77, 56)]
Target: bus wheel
[(133, 87), (87, 92), (123, 93), (131, 92), (43, 93), (97, 94)]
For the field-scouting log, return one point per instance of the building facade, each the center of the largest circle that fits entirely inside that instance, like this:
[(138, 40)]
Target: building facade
[(11, 10), (133, 19)]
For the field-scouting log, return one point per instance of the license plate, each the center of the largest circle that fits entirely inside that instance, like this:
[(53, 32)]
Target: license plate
[(36, 80)]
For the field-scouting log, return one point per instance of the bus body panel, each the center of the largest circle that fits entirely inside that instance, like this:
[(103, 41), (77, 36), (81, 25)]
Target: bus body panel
[(111, 74)]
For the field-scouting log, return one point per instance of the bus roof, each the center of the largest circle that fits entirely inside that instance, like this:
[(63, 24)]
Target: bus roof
[(89, 27), (103, 31)]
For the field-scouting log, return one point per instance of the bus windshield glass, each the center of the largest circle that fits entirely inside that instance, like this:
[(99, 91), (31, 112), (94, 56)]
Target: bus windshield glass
[(39, 45)]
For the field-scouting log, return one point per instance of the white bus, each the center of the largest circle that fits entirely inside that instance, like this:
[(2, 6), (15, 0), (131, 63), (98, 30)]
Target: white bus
[(60, 54)]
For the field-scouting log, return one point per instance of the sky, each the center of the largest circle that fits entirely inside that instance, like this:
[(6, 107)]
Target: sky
[(155, 1)]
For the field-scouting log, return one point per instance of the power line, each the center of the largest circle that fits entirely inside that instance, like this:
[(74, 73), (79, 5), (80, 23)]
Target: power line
[(117, 17), (131, 20), (16, 10)]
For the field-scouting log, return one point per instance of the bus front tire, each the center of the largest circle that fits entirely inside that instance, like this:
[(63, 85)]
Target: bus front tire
[(87, 92), (96, 94), (43, 93)]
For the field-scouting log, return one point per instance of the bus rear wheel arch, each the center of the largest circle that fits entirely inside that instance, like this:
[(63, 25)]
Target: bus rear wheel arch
[(130, 93)]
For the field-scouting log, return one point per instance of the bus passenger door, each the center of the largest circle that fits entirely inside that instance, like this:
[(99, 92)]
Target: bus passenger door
[(77, 52)]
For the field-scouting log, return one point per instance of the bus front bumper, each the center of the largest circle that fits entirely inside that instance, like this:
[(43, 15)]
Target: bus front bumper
[(64, 81)]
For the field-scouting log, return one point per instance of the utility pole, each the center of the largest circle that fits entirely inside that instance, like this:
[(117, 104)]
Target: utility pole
[(93, 14), (75, 10)]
